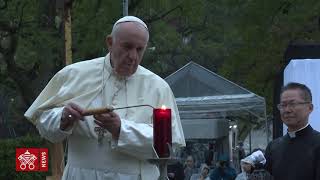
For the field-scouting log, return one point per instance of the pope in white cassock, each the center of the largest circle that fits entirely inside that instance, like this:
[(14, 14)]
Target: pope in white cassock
[(114, 145)]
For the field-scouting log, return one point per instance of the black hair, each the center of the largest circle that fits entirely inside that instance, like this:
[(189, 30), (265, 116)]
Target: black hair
[(306, 92)]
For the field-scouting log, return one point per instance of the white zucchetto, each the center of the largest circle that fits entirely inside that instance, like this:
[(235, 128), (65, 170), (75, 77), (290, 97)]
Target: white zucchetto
[(130, 19)]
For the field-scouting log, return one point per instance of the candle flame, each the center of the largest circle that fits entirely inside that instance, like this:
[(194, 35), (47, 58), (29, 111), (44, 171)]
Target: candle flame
[(163, 107)]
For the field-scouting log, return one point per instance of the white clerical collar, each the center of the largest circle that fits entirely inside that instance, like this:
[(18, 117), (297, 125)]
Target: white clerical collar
[(107, 61), (292, 134)]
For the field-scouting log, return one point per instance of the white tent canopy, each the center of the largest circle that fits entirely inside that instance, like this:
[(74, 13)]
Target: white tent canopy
[(204, 99)]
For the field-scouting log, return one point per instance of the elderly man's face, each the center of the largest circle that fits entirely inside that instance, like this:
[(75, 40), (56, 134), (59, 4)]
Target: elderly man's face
[(127, 47)]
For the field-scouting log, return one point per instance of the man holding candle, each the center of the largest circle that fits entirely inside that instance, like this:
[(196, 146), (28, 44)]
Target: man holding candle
[(116, 144)]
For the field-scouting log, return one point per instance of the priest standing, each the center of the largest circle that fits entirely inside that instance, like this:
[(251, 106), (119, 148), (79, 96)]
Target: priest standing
[(113, 145), (295, 156)]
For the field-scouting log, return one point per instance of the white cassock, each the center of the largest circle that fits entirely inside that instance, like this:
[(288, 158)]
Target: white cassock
[(93, 84)]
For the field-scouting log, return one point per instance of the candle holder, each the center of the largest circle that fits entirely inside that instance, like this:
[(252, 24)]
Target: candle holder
[(162, 163)]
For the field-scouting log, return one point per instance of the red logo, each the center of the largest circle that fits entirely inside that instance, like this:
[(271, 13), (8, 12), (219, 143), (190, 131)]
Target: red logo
[(32, 159)]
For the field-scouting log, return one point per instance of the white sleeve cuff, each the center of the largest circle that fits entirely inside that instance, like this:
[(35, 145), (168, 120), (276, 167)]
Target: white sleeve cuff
[(49, 125)]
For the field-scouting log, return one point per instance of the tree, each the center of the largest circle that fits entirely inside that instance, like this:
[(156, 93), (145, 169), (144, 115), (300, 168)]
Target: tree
[(243, 41), (27, 63)]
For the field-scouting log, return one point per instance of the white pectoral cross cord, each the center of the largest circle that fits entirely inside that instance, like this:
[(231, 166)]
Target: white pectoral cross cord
[(118, 84)]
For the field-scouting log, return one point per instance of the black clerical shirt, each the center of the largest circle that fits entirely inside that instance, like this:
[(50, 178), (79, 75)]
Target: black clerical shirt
[(295, 158)]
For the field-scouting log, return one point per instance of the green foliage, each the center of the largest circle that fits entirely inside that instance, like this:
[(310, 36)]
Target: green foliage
[(8, 155), (243, 41), (266, 28), (30, 53), (92, 21)]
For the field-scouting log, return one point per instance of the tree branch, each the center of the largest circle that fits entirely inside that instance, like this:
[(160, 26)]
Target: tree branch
[(21, 14), (284, 7), (192, 29), (161, 16), (19, 75)]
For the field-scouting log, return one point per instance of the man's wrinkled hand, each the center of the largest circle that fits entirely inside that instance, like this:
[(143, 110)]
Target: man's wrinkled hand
[(70, 114), (110, 121)]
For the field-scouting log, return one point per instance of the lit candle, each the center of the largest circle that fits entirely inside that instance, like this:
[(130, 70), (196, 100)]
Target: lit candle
[(162, 131)]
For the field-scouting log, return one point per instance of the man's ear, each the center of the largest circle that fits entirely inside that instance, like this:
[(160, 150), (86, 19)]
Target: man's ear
[(109, 42), (310, 107)]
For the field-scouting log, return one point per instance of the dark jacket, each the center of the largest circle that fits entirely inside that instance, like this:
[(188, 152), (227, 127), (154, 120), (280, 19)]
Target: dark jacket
[(295, 158)]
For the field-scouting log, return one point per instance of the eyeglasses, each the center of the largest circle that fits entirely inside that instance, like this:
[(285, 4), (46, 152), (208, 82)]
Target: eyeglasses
[(291, 105)]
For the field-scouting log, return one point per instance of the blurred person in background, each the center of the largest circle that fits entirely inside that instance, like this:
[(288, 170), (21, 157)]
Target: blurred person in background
[(252, 167), (204, 173), (223, 170), (189, 168)]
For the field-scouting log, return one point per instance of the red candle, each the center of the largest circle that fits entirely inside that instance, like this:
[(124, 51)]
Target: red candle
[(162, 131)]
